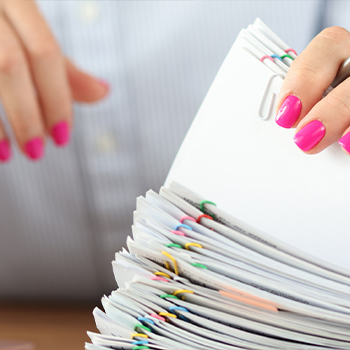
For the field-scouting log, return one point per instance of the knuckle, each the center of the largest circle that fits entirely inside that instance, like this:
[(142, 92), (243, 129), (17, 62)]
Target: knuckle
[(10, 61), (44, 49), (309, 73), (335, 33), (341, 106)]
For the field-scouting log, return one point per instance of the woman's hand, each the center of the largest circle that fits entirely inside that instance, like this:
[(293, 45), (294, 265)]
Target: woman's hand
[(37, 83), (319, 121)]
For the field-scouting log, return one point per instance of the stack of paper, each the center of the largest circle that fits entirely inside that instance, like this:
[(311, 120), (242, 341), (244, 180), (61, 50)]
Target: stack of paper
[(189, 285), (196, 277)]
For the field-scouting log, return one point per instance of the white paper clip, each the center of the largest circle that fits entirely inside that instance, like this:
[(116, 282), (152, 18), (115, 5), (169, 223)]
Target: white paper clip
[(264, 98)]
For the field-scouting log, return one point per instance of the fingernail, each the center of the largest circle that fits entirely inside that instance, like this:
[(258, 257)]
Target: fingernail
[(60, 133), (5, 151), (345, 142), (104, 83), (310, 135), (289, 112), (34, 148)]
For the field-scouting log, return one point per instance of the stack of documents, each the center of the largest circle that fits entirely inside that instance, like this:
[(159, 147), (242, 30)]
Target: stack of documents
[(258, 259)]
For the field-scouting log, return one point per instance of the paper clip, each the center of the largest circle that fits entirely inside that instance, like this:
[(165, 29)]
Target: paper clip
[(158, 317), (290, 50), (266, 117), (167, 314), (199, 265), (146, 320), (143, 327), (180, 291), (276, 56), (174, 245), (158, 273), (172, 308), (141, 335), (186, 217), (163, 296), (179, 233), (184, 226), (289, 56), (202, 205), (189, 244), (264, 57), (140, 342), (158, 278), (139, 347), (203, 216), (173, 260)]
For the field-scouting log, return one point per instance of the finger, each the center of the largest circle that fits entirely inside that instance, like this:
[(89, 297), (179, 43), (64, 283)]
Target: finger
[(5, 148), (18, 95), (344, 142), (326, 122), (84, 87), (47, 67), (311, 74)]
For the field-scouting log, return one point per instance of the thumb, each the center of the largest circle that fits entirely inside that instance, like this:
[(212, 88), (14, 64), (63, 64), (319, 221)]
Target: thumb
[(84, 87)]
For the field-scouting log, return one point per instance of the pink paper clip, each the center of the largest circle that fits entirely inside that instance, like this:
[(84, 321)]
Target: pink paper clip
[(157, 316), (186, 217), (158, 278), (179, 233), (266, 56), (290, 50)]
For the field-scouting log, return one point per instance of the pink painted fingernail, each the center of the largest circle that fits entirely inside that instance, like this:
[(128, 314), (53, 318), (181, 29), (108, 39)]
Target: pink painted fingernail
[(104, 83), (60, 133), (289, 112), (34, 148), (345, 142), (5, 151), (310, 135)]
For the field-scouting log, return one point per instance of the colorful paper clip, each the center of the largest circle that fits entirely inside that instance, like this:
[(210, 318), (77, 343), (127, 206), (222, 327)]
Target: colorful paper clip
[(158, 317), (186, 217), (191, 244), (140, 335), (180, 291), (266, 57), (145, 319), (203, 216), (158, 278), (276, 56), (289, 56), (290, 50), (173, 260), (158, 273)]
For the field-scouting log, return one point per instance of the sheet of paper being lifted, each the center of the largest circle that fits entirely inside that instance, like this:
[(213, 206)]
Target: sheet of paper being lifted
[(237, 156)]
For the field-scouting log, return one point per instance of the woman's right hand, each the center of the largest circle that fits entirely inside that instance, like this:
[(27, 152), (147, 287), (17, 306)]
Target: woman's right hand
[(37, 83)]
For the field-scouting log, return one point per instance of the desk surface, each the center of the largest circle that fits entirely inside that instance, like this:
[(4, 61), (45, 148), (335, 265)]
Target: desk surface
[(47, 326)]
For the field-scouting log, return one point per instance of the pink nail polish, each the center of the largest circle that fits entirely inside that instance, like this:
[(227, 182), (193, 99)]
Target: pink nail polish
[(104, 83), (5, 151), (310, 135), (345, 142), (60, 133), (34, 148), (289, 112)]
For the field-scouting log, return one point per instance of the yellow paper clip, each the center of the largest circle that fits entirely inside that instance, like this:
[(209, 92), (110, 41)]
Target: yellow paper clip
[(141, 335), (158, 273), (166, 314), (189, 244), (174, 262), (182, 291)]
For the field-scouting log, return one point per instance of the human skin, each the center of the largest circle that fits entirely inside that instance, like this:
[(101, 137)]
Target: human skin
[(37, 82), (319, 122)]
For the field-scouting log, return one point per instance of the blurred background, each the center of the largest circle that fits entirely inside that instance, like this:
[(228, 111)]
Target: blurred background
[(63, 218)]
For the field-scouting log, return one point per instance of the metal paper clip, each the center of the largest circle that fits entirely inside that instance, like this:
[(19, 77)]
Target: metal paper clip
[(272, 100)]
